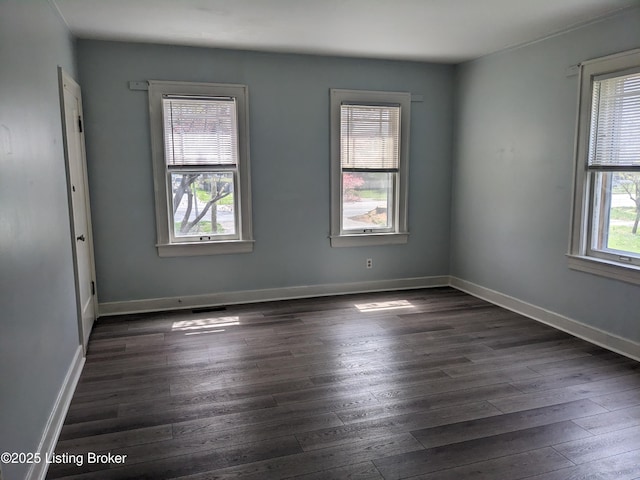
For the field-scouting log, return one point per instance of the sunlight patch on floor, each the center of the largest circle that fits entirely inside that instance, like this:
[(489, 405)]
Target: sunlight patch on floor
[(205, 323), (381, 306)]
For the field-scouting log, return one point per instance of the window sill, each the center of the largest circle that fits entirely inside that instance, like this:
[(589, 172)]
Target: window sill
[(605, 268), (363, 240), (205, 248)]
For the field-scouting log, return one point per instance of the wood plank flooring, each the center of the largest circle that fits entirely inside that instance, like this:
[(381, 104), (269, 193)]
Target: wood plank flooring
[(421, 384)]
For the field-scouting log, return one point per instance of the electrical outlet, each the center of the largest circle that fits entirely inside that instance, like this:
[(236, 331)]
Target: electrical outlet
[(369, 262)]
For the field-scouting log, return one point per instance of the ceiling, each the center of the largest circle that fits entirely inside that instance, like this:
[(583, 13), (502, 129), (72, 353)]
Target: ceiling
[(425, 30)]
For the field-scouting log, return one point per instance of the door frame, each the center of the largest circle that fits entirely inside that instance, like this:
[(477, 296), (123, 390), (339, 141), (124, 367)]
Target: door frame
[(65, 79)]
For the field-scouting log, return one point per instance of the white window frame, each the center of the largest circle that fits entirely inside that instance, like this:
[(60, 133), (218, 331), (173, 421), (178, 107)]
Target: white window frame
[(581, 256), (399, 233), (167, 244)]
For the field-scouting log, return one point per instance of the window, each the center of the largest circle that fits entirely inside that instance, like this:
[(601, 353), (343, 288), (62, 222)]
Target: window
[(369, 174), (605, 231), (199, 136)]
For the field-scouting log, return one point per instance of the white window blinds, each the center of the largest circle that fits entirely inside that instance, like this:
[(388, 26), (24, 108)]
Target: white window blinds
[(370, 137), (200, 131), (615, 122)]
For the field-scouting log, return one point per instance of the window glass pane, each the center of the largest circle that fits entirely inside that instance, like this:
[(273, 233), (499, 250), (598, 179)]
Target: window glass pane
[(367, 200), (615, 122), (616, 212), (203, 203), (200, 131), (369, 136)]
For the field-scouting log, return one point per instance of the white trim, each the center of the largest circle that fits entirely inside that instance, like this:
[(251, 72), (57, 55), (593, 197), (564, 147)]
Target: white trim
[(38, 471), (593, 335), (361, 240), (614, 57), (269, 294), (605, 268), (55, 7), (205, 248)]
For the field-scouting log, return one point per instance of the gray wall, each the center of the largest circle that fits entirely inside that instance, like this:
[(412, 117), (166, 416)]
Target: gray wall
[(38, 326), (289, 135), (512, 177)]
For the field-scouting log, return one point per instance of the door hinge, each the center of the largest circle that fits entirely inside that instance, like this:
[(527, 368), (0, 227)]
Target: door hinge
[(93, 287), (80, 124)]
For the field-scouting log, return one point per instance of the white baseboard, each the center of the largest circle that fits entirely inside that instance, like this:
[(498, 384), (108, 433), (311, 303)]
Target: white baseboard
[(593, 335), (38, 471), (268, 294)]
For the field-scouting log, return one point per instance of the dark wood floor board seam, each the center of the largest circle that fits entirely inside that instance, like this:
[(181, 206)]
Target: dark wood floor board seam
[(372, 379), (507, 467), (610, 420), (499, 364), (316, 461), (618, 467), (445, 385), (550, 382), (120, 396), (262, 431), (359, 471), (564, 394), (402, 422), (259, 418), (200, 408), (563, 456), (223, 393), (617, 400), (601, 446), (367, 356), (582, 365), (119, 439), (481, 450), (349, 347), (505, 423), (534, 358)]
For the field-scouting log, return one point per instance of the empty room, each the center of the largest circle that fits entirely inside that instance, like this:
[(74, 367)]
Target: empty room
[(296, 239)]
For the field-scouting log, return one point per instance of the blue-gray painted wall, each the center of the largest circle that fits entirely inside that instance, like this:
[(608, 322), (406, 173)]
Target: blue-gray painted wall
[(289, 138), (512, 177), (38, 325)]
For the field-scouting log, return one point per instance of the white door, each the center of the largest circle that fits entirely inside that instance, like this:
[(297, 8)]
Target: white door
[(79, 202)]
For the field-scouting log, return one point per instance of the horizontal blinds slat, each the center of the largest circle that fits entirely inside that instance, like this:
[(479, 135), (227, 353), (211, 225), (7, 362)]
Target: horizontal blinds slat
[(615, 122), (200, 131), (370, 137)]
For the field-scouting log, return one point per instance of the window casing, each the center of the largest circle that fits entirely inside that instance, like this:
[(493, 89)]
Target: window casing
[(605, 236), (369, 167), (199, 136)]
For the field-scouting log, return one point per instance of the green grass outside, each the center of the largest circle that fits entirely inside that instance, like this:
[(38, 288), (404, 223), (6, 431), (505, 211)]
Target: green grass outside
[(205, 196), (623, 213), (202, 227), (372, 194), (620, 236)]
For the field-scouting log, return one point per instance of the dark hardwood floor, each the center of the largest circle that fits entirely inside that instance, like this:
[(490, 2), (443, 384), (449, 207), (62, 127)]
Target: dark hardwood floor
[(422, 384)]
